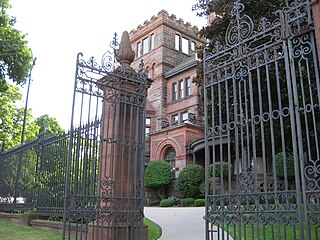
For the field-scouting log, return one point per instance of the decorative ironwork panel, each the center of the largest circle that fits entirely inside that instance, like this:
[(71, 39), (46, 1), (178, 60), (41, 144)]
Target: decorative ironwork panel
[(262, 97)]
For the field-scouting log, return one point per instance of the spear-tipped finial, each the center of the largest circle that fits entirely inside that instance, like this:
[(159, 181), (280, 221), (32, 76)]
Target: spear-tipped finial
[(125, 54)]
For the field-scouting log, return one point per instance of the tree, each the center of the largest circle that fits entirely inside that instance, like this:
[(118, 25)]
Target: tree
[(157, 176), (190, 180), (11, 119), (15, 56), (50, 124)]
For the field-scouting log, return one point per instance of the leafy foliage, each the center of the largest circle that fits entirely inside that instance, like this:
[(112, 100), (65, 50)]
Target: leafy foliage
[(15, 56), (11, 119), (157, 176), (218, 166), (279, 160), (199, 202), (169, 202), (50, 124), (187, 202), (190, 179)]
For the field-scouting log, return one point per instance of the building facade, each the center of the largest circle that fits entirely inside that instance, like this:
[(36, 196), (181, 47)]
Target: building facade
[(167, 46)]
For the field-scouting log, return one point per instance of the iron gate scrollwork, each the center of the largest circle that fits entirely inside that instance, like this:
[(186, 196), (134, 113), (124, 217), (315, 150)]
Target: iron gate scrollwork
[(104, 184), (262, 95)]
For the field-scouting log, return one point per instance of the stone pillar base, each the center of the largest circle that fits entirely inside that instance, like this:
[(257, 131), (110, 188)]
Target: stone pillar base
[(119, 232), (27, 217)]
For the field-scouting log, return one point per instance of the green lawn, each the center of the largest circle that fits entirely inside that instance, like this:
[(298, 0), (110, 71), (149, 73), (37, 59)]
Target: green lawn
[(154, 232), (267, 231), (13, 231)]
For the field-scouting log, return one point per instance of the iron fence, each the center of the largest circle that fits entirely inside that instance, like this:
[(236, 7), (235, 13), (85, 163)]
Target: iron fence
[(262, 94)]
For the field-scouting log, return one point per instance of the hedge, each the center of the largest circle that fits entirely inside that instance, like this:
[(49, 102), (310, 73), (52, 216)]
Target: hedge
[(199, 202), (187, 202), (166, 202)]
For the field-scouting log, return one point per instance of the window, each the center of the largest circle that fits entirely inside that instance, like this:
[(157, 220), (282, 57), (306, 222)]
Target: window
[(193, 46), (138, 49), (145, 45), (175, 119), (174, 92), (185, 45), (170, 156), (188, 86), (148, 127), (148, 72), (184, 117), (148, 121), (181, 89), (151, 41), (165, 123), (147, 132), (177, 42)]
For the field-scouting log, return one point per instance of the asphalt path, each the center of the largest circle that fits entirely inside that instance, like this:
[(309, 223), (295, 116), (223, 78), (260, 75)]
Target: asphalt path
[(178, 223), (182, 223)]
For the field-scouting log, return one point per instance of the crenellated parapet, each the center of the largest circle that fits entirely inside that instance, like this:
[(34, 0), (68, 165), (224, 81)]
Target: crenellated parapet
[(163, 17)]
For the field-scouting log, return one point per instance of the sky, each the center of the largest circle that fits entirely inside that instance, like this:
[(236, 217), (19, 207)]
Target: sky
[(58, 29)]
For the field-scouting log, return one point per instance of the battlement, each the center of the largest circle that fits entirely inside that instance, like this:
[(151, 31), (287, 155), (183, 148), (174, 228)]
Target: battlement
[(165, 17)]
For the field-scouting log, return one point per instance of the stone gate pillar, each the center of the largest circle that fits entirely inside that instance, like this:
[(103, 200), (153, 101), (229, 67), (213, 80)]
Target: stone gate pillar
[(120, 195)]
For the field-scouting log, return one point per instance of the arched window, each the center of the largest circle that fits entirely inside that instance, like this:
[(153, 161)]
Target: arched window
[(148, 72), (170, 156)]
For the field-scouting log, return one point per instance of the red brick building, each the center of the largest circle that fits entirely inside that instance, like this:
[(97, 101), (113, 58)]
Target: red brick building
[(174, 116), (174, 119)]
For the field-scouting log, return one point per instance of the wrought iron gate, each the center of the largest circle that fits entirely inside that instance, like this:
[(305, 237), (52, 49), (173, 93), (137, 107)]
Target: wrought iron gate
[(104, 187), (262, 95)]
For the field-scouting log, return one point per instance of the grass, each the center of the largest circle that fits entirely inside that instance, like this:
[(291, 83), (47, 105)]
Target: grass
[(271, 230), (13, 231), (154, 232)]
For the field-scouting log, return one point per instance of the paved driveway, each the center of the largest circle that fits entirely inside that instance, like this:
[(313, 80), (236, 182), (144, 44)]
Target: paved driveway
[(178, 223)]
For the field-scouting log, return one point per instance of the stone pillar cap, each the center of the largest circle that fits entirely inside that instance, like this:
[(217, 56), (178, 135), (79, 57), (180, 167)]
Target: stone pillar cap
[(125, 55)]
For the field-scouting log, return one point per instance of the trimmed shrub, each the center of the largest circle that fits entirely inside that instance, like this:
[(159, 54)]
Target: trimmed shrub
[(190, 179), (280, 167), (199, 202), (157, 176), (186, 202), (217, 169), (166, 202)]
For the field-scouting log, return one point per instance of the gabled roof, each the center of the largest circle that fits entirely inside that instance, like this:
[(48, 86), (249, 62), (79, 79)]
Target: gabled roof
[(185, 65)]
